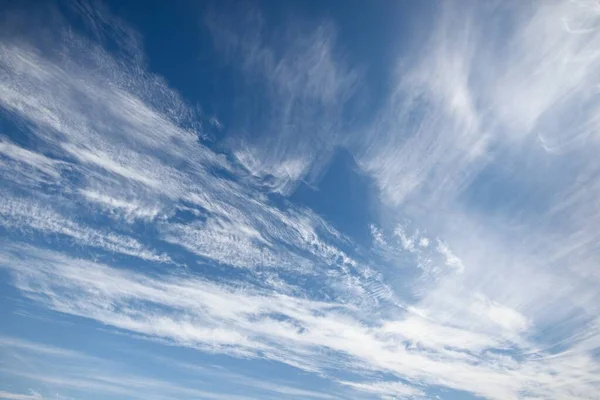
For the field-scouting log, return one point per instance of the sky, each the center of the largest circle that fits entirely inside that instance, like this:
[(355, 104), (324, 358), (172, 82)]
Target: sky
[(235, 200)]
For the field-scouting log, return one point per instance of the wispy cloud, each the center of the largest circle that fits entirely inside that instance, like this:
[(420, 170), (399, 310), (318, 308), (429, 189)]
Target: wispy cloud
[(495, 253), (306, 87), (37, 161), (391, 390), (124, 149), (131, 386), (22, 214), (479, 92), (17, 396), (37, 348), (89, 374), (463, 150), (252, 323)]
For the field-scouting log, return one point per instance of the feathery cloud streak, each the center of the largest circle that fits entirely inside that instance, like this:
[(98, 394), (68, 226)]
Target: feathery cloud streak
[(138, 224)]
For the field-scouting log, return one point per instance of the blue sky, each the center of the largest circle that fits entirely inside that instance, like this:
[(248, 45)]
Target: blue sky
[(299, 200)]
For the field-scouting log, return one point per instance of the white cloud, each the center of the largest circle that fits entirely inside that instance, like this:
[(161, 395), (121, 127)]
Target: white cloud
[(38, 161), (15, 396), (288, 390), (489, 141), (249, 322), (388, 390), (37, 348), (131, 386), (89, 374), (126, 143), (477, 91), (451, 259), (128, 208), (306, 88), (22, 214), (467, 102)]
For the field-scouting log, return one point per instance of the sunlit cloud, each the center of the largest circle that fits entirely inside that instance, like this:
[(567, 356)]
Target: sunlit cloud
[(121, 211)]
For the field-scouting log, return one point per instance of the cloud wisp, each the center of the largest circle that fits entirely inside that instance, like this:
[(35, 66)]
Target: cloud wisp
[(245, 322), (306, 88), (482, 272)]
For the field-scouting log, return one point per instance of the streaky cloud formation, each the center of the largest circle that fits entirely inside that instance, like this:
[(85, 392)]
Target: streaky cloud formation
[(17, 396), (143, 257), (306, 86)]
